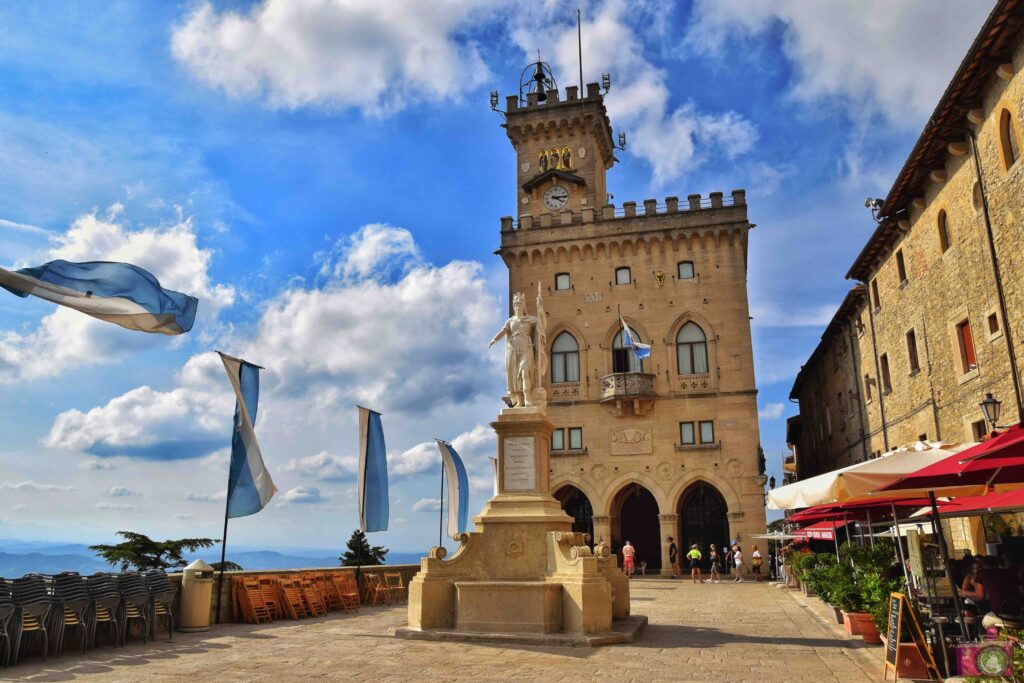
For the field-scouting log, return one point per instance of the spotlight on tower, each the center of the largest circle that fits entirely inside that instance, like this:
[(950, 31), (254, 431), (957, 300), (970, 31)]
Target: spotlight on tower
[(622, 140), (606, 82)]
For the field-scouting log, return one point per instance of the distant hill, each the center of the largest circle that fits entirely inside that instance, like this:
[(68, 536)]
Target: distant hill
[(23, 557)]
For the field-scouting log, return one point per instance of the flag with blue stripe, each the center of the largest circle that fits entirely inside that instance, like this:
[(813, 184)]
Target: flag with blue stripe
[(118, 293), (250, 487), (372, 480), (630, 339), (458, 488)]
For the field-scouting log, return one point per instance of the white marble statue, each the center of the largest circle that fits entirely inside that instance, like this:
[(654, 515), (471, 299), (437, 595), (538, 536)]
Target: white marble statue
[(526, 357)]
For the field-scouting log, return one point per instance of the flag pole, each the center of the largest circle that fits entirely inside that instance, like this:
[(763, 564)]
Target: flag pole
[(440, 509), (223, 552)]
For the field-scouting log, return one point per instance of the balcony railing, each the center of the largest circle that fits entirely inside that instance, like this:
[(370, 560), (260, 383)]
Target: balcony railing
[(565, 391), (627, 385), (695, 384)]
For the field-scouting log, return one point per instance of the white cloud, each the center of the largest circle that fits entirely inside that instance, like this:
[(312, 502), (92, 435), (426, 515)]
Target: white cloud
[(183, 516), (770, 314), (673, 139), (301, 495), (771, 411), (378, 57), (426, 505), (377, 251), (23, 227), (96, 464), (103, 505), (121, 492), (324, 467), (67, 339), (30, 485), (206, 497), (858, 50)]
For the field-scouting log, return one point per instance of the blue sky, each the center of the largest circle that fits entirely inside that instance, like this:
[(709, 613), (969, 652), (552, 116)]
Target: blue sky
[(328, 179)]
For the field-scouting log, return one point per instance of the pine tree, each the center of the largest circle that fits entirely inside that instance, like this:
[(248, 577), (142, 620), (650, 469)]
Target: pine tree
[(142, 552), (360, 552)]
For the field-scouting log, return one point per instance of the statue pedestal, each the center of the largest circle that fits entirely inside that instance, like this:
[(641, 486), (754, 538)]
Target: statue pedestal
[(523, 573)]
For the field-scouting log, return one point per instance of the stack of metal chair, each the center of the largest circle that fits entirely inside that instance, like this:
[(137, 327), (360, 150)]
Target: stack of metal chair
[(161, 594), (106, 605), (7, 615), (33, 601), (72, 609), (135, 603)]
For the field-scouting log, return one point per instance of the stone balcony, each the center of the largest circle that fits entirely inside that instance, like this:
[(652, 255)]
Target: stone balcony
[(627, 390)]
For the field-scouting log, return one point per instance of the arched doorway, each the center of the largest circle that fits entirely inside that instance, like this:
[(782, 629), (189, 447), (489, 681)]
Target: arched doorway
[(635, 519), (577, 505), (702, 519)]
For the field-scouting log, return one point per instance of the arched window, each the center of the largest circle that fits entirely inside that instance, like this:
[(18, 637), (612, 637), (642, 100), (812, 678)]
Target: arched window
[(565, 359), (943, 231), (1008, 138), (692, 350), (623, 357)]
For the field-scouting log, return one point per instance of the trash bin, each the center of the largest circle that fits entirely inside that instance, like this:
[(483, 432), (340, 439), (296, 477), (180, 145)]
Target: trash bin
[(196, 592)]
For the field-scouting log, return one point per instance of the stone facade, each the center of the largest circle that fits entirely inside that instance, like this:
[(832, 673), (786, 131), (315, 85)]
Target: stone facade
[(630, 446), (917, 345)]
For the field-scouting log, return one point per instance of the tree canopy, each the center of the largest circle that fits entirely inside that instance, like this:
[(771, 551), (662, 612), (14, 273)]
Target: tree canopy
[(142, 552), (360, 552)]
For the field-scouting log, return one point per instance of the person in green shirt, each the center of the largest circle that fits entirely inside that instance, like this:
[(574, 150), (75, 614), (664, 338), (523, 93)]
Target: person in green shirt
[(695, 557)]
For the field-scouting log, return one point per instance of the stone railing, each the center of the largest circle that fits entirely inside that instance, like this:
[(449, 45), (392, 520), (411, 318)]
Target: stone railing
[(627, 385), (565, 391), (695, 384)]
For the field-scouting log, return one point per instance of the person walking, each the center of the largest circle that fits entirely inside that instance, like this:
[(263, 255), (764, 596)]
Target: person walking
[(673, 557), (694, 556), (628, 553), (737, 559), (727, 558), (713, 556), (755, 563)]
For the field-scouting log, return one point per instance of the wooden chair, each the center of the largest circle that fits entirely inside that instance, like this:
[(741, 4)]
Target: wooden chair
[(348, 592), (394, 587), (375, 592), (329, 591), (249, 596), (314, 603), (294, 605), (271, 590)]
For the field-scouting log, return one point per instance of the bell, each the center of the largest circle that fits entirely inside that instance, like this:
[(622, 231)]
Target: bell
[(538, 77)]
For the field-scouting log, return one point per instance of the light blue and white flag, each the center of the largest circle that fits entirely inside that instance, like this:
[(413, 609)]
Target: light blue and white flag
[(630, 339), (118, 293), (458, 488), (250, 487), (373, 473)]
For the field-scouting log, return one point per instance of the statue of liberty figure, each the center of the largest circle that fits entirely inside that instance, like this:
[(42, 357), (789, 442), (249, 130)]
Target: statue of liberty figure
[(526, 358)]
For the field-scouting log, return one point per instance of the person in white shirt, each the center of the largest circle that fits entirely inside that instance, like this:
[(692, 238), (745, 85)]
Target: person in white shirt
[(737, 558)]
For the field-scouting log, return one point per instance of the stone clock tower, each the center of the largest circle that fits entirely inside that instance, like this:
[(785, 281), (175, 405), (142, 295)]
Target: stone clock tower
[(642, 449)]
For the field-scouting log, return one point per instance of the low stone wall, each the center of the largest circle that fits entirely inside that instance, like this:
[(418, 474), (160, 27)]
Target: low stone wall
[(226, 609)]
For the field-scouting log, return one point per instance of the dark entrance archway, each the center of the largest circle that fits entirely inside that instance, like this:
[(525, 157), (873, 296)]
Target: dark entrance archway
[(636, 514), (577, 505), (703, 520)]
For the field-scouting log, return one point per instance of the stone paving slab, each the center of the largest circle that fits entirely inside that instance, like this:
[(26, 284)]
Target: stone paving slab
[(728, 633)]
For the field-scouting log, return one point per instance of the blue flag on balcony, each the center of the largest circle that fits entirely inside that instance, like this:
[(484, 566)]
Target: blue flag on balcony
[(372, 480), (250, 487), (118, 293), (458, 488), (630, 339)]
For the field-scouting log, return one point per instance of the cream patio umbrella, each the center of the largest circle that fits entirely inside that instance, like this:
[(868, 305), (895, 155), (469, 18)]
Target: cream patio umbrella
[(857, 481)]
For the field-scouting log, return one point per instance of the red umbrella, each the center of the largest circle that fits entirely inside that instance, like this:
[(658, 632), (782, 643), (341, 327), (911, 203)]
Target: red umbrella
[(954, 476), (1007, 444)]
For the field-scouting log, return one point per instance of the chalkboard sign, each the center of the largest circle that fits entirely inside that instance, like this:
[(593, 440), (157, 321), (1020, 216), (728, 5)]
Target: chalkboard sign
[(898, 606)]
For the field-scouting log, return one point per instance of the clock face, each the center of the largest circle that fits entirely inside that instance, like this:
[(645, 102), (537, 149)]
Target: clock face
[(556, 197)]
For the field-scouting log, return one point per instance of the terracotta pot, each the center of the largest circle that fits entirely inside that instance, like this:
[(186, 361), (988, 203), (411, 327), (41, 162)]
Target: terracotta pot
[(862, 624), (851, 623)]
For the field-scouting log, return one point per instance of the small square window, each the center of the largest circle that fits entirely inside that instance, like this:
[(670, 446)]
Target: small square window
[(707, 431), (562, 281), (978, 430), (558, 440), (993, 323), (576, 438), (968, 361), (623, 276), (685, 269), (686, 433)]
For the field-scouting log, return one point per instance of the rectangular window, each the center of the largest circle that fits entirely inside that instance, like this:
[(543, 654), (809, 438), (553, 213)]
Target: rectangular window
[(886, 381), (874, 294), (562, 281), (558, 440), (686, 433), (901, 266), (968, 361), (575, 438), (707, 431), (623, 276), (685, 269), (978, 430), (860, 324), (993, 323), (915, 365)]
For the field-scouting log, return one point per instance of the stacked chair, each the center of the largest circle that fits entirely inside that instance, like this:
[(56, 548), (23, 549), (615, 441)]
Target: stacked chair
[(32, 600), (106, 606), (161, 597), (293, 596), (72, 611), (7, 614), (134, 604)]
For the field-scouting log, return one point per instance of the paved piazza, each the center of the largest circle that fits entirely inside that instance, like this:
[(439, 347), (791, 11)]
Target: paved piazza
[(723, 632)]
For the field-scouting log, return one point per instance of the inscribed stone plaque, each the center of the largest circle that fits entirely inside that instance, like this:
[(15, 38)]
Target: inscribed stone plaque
[(520, 466), (631, 441)]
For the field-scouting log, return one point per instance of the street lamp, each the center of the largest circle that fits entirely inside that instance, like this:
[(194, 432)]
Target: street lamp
[(771, 482), (990, 408)]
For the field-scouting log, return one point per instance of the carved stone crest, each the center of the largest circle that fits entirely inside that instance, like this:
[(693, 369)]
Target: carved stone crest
[(514, 547), (599, 473), (734, 468), (631, 441)]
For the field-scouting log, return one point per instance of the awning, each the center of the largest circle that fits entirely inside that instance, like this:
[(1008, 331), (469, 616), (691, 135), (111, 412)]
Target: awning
[(955, 476), (1007, 444), (857, 481), (858, 510), (969, 506), (822, 531)]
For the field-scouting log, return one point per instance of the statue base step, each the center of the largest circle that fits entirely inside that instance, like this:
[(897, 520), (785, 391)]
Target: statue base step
[(623, 631)]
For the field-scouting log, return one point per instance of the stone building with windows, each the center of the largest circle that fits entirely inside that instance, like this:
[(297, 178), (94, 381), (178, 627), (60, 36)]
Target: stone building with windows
[(642, 450), (937, 318)]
